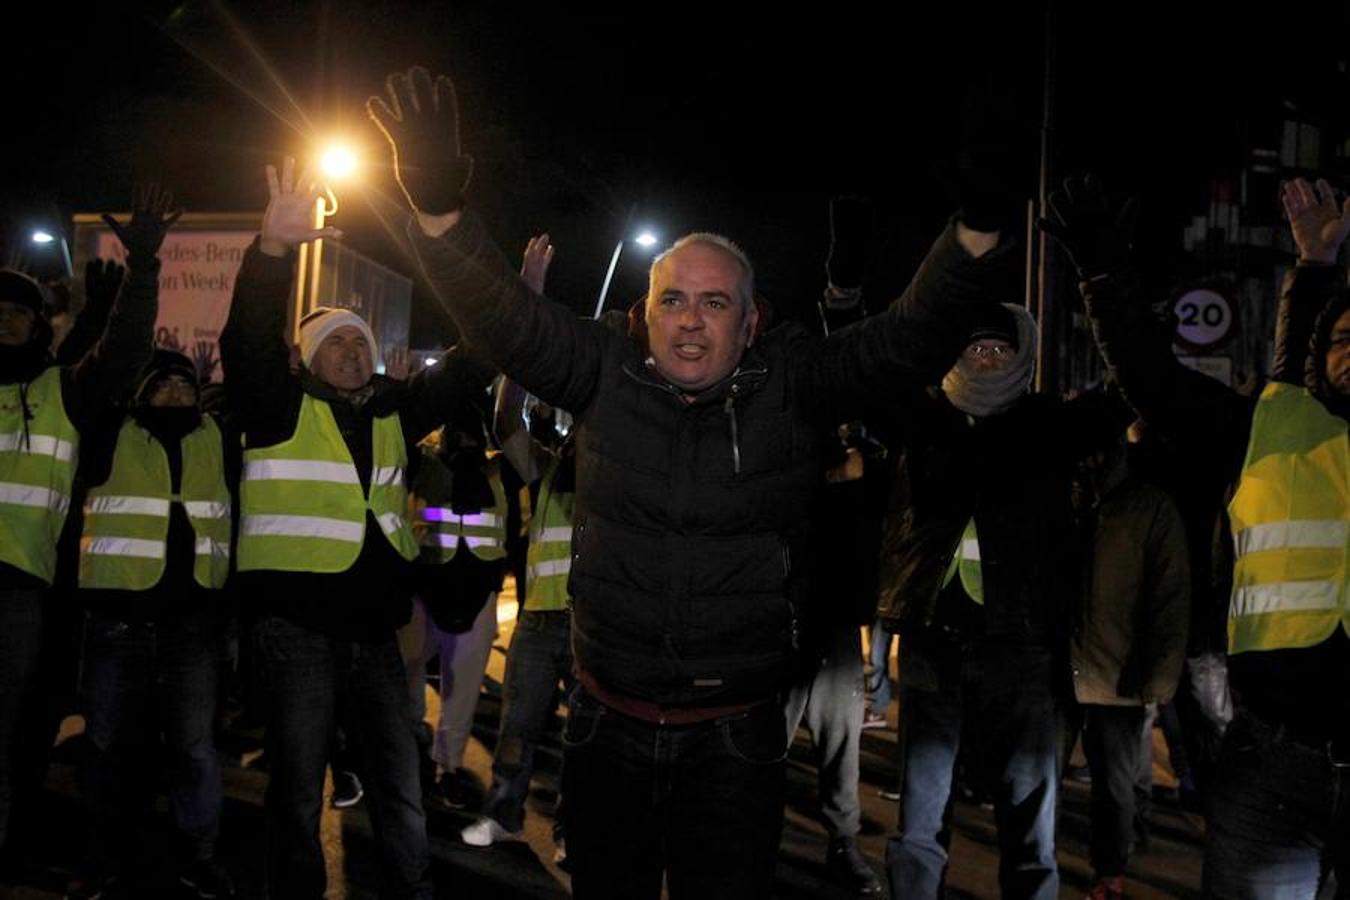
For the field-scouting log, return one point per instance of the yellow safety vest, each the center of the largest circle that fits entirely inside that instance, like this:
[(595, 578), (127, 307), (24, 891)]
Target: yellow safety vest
[(1290, 531), (126, 519), (440, 531), (548, 561), (37, 470), (301, 503), (966, 562)]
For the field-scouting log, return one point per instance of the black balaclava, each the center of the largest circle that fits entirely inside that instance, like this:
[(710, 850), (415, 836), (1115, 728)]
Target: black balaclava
[(166, 422)]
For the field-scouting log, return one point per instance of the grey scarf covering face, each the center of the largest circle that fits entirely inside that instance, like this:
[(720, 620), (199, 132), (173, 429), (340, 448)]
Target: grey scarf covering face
[(984, 392)]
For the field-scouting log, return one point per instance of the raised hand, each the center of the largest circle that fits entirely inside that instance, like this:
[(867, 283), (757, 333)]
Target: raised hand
[(421, 121), (534, 265), (1081, 218), (204, 359), (289, 218), (151, 219), (102, 280), (1319, 225)]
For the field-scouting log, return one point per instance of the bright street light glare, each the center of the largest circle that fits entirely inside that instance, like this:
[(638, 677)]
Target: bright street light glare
[(337, 162), (646, 239), (42, 237)]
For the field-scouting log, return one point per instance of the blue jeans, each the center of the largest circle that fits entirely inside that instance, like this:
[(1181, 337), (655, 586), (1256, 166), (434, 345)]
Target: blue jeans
[(1278, 817), (701, 802), (306, 676), (540, 656), (832, 704), (141, 679), (1008, 691), (878, 667), (20, 641)]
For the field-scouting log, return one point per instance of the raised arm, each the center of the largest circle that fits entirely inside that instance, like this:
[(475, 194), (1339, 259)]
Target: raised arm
[(263, 395), (914, 342), (540, 344), (1319, 226), (110, 368)]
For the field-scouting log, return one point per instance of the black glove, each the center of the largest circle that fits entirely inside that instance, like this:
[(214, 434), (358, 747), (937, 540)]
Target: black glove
[(850, 225), (421, 121), (102, 280), (996, 160), (151, 219), (1096, 237)]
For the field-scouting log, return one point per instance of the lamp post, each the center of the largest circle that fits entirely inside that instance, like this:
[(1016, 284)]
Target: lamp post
[(42, 238), (646, 240), (337, 163)]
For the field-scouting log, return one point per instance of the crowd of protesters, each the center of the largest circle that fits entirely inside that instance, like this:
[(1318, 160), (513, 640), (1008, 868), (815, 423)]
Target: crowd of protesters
[(703, 513)]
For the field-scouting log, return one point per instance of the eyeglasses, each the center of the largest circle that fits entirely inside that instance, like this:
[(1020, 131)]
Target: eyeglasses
[(983, 351)]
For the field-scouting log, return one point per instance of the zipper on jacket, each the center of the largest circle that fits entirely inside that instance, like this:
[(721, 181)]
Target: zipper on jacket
[(730, 409)]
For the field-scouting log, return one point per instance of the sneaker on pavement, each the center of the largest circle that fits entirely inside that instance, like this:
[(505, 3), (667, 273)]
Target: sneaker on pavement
[(488, 831), (846, 865), (461, 789), (891, 794), (347, 790), (208, 879), (95, 888), (873, 719)]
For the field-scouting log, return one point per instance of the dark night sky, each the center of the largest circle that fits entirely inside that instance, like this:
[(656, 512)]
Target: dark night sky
[(723, 117)]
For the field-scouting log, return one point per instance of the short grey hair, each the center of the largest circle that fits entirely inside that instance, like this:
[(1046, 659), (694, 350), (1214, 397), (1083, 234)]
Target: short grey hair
[(745, 287)]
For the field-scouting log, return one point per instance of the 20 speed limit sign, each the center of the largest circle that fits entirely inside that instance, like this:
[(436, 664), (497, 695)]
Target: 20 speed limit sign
[(1204, 318)]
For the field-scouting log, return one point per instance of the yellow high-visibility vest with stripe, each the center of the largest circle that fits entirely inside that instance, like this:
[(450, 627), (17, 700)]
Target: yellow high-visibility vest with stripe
[(1291, 531), (440, 530), (37, 471), (126, 519), (966, 564), (548, 560), (301, 505)]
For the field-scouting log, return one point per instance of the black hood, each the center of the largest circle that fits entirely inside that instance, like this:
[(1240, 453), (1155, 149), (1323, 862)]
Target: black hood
[(1315, 368)]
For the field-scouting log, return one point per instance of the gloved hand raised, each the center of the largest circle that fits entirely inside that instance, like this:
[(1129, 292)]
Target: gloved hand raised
[(102, 280), (1096, 237), (421, 121), (150, 221)]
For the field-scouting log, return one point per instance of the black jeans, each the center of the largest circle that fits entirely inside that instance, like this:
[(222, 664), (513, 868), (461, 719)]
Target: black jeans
[(305, 677), (20, 641), (1111, 744), (702, 802)]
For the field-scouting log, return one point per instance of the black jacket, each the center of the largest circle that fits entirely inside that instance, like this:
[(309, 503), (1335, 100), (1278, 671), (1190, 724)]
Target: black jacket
[(371, 598), (692, 517)]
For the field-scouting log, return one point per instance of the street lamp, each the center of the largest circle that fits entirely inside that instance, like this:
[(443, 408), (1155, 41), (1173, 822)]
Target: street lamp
[(337, 162), (43, 237), (645, 240)]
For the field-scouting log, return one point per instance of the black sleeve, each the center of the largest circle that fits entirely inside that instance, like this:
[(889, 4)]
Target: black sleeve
[(445, 392), (1304, 292), (103, 375), (914, 342), (263, 396), (541, 345)]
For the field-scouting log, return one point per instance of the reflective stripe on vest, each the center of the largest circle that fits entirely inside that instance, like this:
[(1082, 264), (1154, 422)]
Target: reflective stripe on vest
[(126, 519), (37, 470), (301, 504), (548, 561), (440, 530), (966, 562), (1291, 531)]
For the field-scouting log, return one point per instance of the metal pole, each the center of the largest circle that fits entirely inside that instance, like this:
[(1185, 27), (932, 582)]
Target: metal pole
[(604, 288), (1047, 366)]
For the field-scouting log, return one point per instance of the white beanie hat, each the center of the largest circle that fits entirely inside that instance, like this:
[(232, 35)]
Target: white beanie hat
[(323, 321)]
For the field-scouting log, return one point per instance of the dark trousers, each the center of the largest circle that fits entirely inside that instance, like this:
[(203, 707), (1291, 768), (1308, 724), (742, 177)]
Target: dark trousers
[(1008, 689), (1278, 818), (702, 803), (305, 677), (142, 680), (1111, 744), (20, 642), (831, 704), (540, 656)]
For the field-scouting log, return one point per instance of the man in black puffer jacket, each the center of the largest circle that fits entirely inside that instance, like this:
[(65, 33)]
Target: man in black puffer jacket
[(698, 455)]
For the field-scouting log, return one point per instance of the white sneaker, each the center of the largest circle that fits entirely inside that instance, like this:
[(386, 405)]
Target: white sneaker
[(486, 832)]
